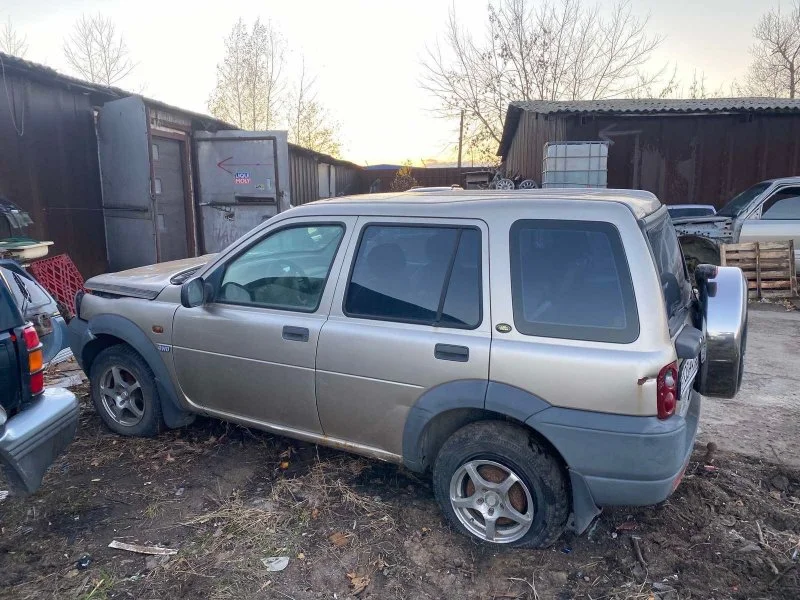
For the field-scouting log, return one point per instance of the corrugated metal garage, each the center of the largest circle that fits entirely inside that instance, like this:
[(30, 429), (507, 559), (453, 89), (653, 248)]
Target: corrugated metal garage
[(309, 169), (684, 151), (49, 159)]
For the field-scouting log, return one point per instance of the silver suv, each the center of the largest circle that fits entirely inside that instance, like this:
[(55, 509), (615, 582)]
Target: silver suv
[(542, 352)]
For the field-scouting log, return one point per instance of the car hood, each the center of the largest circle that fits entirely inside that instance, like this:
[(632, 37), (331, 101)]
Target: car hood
[(146, 282), (712, 226)]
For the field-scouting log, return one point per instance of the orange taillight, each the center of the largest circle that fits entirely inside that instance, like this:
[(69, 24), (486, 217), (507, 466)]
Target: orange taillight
[(35, 359)]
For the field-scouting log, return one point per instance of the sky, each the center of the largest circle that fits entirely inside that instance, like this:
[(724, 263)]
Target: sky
[(366, 54)]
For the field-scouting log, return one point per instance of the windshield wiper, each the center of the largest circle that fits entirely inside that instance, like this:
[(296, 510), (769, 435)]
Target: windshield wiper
[(26, 293)]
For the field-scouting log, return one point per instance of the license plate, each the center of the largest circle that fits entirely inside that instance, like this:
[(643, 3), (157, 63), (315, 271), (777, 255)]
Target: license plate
[(688, 372)]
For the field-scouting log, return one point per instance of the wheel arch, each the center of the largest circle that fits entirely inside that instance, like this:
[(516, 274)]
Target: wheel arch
[(445, 409), (448, 407), (108, 330), (696, 245)]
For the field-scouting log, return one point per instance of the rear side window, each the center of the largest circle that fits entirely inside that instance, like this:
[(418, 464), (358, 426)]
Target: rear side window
[(570, 280), (668, 257), (424, 275)]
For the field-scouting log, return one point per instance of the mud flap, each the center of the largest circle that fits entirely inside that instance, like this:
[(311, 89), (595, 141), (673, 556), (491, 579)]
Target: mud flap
[(584, 510)]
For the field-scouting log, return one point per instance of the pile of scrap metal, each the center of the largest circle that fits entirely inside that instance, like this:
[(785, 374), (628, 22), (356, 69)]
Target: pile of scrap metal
[(32, 299)]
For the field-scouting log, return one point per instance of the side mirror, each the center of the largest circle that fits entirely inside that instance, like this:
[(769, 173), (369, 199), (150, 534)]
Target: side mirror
[(703, 275), (193, 293)]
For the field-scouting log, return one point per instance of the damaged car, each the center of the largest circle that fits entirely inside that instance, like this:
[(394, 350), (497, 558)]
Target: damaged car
[(769, 211)]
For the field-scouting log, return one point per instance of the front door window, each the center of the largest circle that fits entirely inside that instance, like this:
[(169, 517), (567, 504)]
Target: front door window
[(287, 270), (782, 205)]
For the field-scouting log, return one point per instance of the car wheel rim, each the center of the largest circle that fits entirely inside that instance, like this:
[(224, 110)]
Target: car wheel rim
[(491, 501), (122, 397)]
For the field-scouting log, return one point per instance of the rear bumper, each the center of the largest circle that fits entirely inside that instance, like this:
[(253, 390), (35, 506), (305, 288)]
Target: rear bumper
[(33, 438), (620, 460)]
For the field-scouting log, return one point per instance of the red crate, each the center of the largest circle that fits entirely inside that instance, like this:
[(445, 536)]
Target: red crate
[(60, 277)]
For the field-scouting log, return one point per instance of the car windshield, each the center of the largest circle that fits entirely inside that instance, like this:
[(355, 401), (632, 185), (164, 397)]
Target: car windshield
[(737, 203)]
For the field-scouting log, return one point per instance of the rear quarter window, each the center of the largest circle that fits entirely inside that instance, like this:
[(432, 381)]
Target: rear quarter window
[(571, 280), (668, 259)]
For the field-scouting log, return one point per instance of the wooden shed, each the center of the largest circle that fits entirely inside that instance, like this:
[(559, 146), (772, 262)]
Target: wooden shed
[(685, 151)]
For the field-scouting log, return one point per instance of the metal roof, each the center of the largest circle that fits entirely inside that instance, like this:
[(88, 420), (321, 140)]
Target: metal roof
[(649, 106), (644, 107), (100, 94)]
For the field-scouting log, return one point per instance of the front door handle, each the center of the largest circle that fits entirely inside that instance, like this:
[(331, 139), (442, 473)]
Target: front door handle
[(295, 334), (450, 352)]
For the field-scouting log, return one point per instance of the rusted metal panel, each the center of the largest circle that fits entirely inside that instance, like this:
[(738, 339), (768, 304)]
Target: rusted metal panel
[(49, 167), (527, 147), (691, 158)]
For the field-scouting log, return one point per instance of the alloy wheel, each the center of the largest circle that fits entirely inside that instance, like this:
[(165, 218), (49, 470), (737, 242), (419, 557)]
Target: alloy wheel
[(491, 501), (121, 396)]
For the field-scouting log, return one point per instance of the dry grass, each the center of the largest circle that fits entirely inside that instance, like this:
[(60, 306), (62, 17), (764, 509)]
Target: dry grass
[(233, 537), (322, 490)]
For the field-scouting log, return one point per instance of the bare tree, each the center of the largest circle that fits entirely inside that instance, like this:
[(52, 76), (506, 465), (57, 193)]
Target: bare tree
[(775, 70), (310, 123), (250, 85), (549, 50), (97, 52), (12, 42)]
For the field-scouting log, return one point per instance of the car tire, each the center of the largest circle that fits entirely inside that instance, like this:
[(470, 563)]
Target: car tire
[(120, 377), (539, 496)]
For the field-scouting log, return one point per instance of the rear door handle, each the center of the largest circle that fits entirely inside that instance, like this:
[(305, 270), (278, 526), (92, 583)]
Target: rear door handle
[(450, 352), (295, 334)]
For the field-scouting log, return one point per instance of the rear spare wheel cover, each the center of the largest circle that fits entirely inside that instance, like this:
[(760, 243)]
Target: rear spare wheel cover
[(725, 306)]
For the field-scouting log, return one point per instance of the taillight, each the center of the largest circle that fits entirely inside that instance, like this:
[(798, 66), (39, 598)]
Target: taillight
[(667, 391), (35, 359)]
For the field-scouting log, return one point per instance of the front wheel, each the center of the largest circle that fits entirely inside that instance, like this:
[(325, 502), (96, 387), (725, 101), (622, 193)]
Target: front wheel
[(496, 483), (124, 392)]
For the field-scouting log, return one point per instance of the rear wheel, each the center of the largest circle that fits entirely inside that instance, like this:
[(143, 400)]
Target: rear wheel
[(498, 484), (124, 392)]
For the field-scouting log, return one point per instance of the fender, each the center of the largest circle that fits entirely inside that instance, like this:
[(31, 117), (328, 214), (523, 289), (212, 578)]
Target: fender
[(126, 330)]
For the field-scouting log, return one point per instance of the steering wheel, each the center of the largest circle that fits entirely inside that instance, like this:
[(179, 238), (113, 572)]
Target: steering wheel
[(236, 292), (296, 279)]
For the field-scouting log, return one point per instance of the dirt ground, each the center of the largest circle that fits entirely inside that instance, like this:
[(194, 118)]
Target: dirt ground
[(763, 420), (227, 498)]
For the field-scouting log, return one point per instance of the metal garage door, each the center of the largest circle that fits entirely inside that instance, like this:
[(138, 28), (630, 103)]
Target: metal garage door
[(168, 185)]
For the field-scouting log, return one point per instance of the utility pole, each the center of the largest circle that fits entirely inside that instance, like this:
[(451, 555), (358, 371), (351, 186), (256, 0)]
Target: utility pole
[(460, 137)]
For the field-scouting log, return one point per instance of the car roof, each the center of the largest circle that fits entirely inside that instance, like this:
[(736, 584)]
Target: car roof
[(455, 202), (436, 188), (792, 179), (671, 206)]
